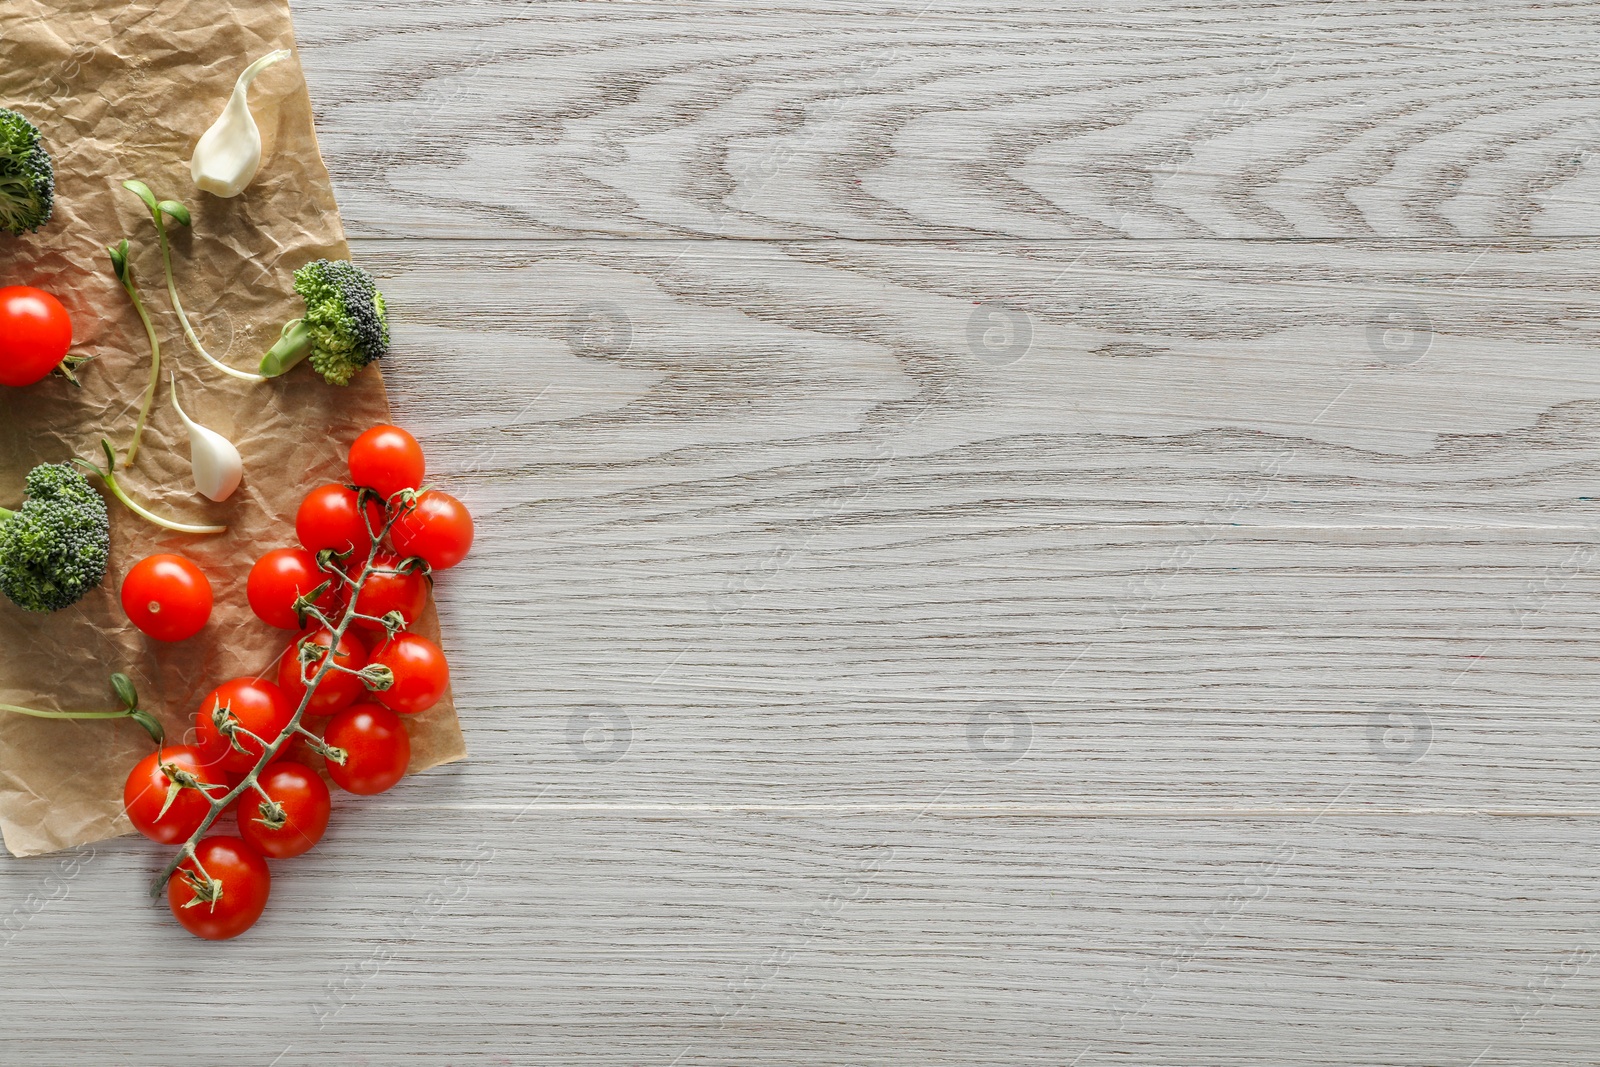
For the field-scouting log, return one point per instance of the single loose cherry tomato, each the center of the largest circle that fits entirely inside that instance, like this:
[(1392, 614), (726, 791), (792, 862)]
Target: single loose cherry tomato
[(281, 577), (421, 674), (391, 588), (329, 518), (167, 597), (337, 690), (437, 529), (145, 794), (387, 459), (260, 707), (35, 333), (231, 906), (304, 799), (376, 746)]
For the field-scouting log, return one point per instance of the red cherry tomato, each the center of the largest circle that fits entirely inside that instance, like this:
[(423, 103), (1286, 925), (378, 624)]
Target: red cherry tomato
[(145, 794), (167, 597), (437, 529), (387, 459), (260, 707), (35, 333), (245, 884), (329, 518), (304, 799), (391, 588), (281, 577), (421, 674), (337, 690), (376, 746)]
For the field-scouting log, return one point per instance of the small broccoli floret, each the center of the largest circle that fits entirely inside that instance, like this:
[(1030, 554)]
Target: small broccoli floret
[(346, 315), (54, 548), (27, 181), (346, 325)]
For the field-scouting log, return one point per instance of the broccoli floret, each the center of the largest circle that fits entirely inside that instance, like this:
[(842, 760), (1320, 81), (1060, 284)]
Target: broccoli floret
[(54, 548), (27, 181), (346, 325), (347, 317)]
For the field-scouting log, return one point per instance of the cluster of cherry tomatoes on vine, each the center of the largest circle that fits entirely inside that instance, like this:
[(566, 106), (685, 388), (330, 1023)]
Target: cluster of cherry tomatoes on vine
[(352, 589)]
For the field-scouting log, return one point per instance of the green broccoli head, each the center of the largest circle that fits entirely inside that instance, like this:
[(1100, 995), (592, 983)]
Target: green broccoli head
[(54, 548), (27, 181), (345, 317)]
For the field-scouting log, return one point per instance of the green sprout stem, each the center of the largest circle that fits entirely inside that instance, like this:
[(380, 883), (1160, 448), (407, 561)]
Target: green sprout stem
[(130, 710), (124, 272), (39, 714), (108, 476), (293, 345), (160, 212), (269, 751)]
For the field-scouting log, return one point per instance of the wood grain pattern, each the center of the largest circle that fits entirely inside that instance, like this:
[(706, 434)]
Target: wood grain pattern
[(937, 602), (844, 599), (957, 119)]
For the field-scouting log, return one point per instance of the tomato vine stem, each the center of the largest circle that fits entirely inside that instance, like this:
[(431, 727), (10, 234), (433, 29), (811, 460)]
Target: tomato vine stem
[(335, 566)]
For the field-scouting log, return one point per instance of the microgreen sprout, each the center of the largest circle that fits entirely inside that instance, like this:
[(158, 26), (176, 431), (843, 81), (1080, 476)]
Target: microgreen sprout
[(160, 211), (108, 475), (130, 709), (123, 268)]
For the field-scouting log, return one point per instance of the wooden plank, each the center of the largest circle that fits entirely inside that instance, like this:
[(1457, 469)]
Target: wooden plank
[(944, 119), (902, 939), (1328, 383)]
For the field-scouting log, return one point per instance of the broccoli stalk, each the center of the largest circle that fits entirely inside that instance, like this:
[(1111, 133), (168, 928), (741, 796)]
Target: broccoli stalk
[(27, 180), (130, 710), (346, 325), (54, 548)]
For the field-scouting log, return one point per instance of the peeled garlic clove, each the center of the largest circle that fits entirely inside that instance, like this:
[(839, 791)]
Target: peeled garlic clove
[(228, 154), (218, 467)]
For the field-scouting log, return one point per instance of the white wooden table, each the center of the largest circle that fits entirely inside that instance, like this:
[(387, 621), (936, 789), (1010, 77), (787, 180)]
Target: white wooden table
[(1010, 533)]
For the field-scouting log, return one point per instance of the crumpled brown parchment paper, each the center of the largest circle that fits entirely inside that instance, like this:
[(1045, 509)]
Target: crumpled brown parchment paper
[(123, 90)]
